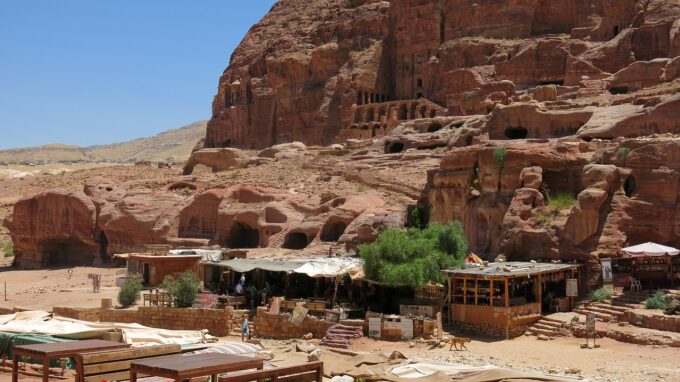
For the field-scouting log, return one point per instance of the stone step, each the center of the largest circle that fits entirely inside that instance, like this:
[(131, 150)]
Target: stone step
[(550, 319), (345, 344), (617, 308), (611, 312), (340, 336), (601, 316), (353, 333), (553, 324), (541, 326), (549, 333)]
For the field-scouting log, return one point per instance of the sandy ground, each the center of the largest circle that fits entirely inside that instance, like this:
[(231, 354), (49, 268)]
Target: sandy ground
[(47, 288)]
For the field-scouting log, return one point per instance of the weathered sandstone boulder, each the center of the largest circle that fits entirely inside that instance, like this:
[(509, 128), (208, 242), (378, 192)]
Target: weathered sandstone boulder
[(217, 159)]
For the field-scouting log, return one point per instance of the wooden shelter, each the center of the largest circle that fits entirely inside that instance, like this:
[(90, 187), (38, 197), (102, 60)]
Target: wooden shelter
[(154, 268), (503, 299), (654, 265)]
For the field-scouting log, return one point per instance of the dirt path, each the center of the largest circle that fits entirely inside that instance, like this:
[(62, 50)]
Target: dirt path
[(46, 288)]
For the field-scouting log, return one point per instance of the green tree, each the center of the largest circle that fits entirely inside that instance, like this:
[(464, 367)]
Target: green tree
[(413, 257), (129, 291), (182, 288)]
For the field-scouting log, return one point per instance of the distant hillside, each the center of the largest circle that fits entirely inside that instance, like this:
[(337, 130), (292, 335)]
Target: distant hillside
[(173, 144)]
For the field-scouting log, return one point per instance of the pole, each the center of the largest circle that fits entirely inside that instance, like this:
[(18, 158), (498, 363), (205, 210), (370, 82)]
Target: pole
[(5, 290)]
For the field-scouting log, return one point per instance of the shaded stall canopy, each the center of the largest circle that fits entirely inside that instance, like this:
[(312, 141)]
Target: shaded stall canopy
[(650, 250), (312, 267), (206, 254), (509, 269)]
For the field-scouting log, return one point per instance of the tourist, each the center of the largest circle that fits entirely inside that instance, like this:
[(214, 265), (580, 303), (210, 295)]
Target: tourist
[(239, 289), (245, 327)]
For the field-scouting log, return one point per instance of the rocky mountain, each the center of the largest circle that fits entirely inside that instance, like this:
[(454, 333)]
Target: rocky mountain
[(550, 129), (175, 143)]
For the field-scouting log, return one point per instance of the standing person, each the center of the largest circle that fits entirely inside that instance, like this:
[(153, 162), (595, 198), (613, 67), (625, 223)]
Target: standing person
[(239, 289), (245, 327)]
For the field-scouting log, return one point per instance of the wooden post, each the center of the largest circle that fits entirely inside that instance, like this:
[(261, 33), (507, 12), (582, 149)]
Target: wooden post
[(476, 285), (450, 280), (540, 292), (507, 293), (491, 292), (464, 291)]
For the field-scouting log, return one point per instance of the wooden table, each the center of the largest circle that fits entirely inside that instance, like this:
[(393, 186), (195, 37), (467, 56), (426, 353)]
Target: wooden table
[(57, 350), (191, 366)]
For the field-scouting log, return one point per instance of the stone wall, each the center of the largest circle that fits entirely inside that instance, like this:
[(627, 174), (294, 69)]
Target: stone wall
[(653, 320), (218, 322), (84, 314), (490, 329), (278, 326)]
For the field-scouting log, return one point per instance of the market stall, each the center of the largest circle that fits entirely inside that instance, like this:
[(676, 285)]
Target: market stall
[(652, 265), (503, 298)]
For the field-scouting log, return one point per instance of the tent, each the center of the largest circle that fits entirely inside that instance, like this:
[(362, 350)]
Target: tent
[(650, 250), (312, 267)]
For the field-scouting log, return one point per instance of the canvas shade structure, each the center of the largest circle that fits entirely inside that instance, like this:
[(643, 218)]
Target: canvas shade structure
[(319, 267), (650, 250)]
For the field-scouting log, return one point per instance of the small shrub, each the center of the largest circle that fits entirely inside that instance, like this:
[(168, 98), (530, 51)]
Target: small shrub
[(183, 288), (8, 249), (601, 294), (561, 201), (361, 187), (129, 292), (657, 301), (499, 155), (415, 218), (622, 152)]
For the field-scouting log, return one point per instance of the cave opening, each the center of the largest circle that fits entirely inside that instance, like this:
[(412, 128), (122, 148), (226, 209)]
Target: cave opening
[(616, 30), (67, 252), (629, 186), (434, 127), (242, 236), (332, 231), (296, 240), (403, 114), (518, 132), (619, 90), (394, 148), (104, 247)]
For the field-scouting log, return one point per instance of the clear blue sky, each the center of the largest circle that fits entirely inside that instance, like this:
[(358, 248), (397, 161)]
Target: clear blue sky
[(88, 72)]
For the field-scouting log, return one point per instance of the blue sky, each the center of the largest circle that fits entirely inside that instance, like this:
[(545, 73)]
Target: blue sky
[(88, 72)]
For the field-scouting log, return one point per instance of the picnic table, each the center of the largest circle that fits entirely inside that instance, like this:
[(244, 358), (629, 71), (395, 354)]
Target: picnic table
[(158, 299), (191, 366), (57, 350)]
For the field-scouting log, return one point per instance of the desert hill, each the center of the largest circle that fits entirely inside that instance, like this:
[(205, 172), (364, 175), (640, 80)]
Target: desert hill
[(175, 144)]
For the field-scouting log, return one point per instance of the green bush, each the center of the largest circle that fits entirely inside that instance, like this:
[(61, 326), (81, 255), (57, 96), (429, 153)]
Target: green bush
[(622, 152), (183, 288), (8, 249), (657, 301), (499, 155), (413, 257), (561, 201), (601, 294), (129, 292)]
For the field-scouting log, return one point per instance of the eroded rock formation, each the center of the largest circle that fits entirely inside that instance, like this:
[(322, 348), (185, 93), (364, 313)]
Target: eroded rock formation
[(59, 228)]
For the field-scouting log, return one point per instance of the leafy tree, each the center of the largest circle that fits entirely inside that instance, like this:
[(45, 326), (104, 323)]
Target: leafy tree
[(415, 218), (413, 257), (129, 291), (183, 288)]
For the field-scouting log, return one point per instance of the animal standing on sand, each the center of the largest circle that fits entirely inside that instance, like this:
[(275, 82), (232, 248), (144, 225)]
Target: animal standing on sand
[(455, 341)]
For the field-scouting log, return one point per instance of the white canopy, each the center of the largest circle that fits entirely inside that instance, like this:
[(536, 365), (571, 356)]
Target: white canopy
[(650, 249), (312, 267)]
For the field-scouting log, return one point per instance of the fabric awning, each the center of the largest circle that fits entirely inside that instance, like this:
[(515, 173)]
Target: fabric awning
[(650, 250), (319, 267)]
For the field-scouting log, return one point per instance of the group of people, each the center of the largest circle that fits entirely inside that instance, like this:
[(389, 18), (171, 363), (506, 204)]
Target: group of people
[(254, 297)]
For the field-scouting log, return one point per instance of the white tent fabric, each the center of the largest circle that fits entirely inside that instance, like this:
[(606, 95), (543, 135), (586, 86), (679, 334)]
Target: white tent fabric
[(208, 254), (40, 322), (650, 249), (319, 267)]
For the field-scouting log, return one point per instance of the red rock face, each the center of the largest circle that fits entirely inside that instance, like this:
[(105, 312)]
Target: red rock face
[(300, 72), (76, 228)]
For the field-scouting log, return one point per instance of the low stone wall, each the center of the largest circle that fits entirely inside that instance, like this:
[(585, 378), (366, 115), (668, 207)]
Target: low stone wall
[(278, 326), (653, 319), (84, 314), (491, 330), (218, 322)]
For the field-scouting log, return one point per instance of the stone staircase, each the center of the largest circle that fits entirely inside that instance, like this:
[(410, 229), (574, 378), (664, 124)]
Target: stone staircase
[(341, 336), (614, 309), (548, 327)]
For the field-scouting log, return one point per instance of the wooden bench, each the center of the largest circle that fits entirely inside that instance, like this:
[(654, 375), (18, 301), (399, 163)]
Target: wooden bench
[(115, 365), (308, 372)]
